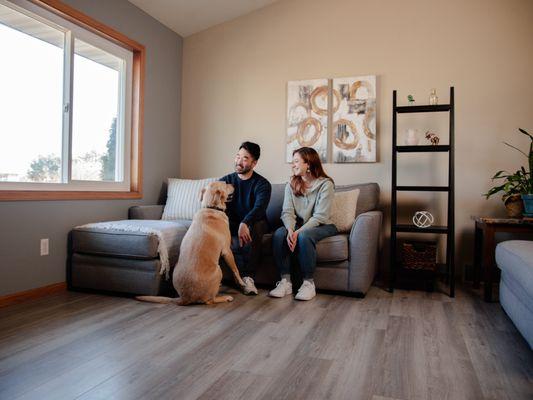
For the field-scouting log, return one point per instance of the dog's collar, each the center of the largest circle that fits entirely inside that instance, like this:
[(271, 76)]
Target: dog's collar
[(216, 208)]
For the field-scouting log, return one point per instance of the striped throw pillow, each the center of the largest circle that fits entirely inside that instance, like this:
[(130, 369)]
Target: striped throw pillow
[(183, 197)]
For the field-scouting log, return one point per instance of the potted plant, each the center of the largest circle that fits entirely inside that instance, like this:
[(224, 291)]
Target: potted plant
[(517, 188)]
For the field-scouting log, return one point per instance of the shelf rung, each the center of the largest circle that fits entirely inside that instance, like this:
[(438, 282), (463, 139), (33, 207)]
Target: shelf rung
[(422, 149), (423, 188), (412, 228), (423, 108)]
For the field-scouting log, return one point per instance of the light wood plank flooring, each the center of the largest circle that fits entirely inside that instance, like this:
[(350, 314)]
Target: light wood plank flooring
[(401, 346)]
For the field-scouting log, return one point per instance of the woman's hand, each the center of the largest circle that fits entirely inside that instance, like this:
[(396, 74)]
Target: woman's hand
[(292, 239)]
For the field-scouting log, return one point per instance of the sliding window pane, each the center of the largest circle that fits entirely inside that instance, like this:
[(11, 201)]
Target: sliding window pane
[(96, 137), (31, 98)]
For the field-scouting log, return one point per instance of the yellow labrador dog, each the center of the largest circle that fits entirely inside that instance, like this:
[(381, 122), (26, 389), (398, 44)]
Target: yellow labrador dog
[(197, 275)]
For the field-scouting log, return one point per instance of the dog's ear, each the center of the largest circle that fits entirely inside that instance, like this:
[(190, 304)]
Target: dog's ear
[(229, 192), (202, 192), (217, 197)]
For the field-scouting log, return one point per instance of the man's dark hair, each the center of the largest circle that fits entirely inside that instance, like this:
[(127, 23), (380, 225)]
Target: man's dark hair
[(252, 148)]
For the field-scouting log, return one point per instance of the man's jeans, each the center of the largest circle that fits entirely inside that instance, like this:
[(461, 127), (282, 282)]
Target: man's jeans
[(305, 249), (248, 257)]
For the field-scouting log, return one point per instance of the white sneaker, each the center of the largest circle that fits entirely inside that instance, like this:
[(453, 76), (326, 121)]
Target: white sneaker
[(306, 292), (282, 288), (249, 286)]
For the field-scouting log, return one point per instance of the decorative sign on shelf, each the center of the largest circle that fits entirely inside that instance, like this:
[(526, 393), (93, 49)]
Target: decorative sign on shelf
[(423, 219)]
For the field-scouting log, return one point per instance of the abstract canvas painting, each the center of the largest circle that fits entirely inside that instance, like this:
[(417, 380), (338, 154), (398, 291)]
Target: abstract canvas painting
[(353, 128), (307, 116)]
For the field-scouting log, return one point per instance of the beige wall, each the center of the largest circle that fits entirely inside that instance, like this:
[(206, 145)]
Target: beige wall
[(235, 77)]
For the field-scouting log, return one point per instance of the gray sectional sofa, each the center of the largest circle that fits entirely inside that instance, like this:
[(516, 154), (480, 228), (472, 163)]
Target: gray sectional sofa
[(128, 262)]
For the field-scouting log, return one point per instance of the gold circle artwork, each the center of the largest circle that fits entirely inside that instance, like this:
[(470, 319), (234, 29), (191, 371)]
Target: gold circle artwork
[(293, 116), (301, 131), (359, 84), (368, 117), (340, 142), (370, 110), (322, 91)]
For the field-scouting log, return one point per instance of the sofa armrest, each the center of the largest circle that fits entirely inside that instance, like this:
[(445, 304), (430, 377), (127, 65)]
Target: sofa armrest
[(363, 250), (145, 212)]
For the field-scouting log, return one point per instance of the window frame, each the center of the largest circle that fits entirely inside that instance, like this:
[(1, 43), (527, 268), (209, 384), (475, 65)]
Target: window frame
[(133, 134)]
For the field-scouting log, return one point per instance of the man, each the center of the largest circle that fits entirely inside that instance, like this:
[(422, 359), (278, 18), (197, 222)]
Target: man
[(247, 212)]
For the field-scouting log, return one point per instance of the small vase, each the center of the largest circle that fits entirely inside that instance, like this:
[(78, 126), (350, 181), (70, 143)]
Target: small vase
[(433, 99), (528, 205)]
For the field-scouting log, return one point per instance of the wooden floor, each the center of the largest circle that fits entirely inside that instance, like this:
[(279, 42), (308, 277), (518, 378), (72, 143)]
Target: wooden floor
[(409, 345)]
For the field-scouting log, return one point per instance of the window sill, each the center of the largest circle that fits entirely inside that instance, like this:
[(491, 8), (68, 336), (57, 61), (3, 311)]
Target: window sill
[(17, 195)]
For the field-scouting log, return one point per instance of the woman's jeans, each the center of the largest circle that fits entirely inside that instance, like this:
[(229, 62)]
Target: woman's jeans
[(305, 248)]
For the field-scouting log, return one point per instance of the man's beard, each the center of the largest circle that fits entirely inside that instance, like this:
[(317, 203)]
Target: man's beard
[(242, 170)]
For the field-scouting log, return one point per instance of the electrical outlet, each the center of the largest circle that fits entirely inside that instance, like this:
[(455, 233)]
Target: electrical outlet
[(44, 247)]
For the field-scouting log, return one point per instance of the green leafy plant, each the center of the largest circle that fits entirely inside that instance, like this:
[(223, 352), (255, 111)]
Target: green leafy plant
[(520, 182)]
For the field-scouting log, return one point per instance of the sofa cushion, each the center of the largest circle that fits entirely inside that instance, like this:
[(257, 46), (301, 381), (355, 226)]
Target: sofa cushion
[(343, 209), (183, 198), (125, 244), (368, 199), (273, 212), (330, 249)]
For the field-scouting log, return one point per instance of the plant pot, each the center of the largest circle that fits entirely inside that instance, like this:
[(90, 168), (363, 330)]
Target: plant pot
[(528, 204), (514, 205)]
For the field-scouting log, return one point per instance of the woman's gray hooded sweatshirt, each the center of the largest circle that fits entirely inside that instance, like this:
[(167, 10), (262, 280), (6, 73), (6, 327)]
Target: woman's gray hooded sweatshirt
[(314, 207)]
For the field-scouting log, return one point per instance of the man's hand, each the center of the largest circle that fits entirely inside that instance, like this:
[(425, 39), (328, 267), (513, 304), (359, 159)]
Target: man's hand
[(244, 234), (292, 239)]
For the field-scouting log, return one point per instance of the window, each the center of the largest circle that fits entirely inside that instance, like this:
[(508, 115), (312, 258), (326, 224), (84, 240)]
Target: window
[(70, 102)]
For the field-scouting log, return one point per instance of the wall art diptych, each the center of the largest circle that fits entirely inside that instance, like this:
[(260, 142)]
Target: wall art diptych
[(353, 130), (349, 104), (307, 116)]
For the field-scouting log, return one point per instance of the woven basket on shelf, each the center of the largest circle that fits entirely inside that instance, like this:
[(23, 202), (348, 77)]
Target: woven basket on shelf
[(419, 255)]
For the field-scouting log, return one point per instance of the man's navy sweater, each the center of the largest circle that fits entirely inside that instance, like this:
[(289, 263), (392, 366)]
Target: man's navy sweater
[(250, 199)]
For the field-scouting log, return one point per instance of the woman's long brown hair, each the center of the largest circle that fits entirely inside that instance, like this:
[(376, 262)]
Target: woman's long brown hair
[(311, 157)]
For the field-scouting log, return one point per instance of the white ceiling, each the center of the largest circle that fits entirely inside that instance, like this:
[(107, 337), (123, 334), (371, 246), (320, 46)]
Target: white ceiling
[(186, 17)]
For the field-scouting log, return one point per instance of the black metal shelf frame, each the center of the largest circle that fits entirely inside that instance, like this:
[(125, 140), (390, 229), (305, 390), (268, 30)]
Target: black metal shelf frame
[(449, 229)]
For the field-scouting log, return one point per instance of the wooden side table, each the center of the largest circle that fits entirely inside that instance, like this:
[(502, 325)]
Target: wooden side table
[(485, 246)]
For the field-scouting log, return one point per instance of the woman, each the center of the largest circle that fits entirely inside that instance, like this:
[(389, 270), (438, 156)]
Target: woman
[(306, 219)]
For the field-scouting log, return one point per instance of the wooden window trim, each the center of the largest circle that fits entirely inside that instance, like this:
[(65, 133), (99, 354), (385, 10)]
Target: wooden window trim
[(137, 117)]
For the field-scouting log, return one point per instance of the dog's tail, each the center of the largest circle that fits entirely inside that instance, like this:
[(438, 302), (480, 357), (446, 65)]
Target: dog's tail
[(160, 299)]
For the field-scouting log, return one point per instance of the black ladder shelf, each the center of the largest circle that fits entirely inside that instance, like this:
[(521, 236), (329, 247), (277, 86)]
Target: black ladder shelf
[(449, 229)]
